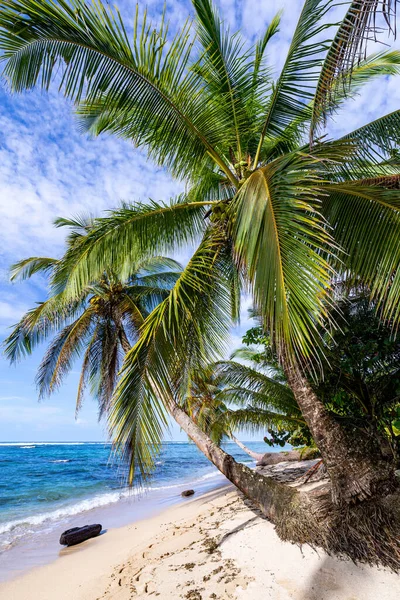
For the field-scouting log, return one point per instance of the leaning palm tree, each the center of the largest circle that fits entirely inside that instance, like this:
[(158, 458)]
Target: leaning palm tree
[(98, 328), (273, 211)]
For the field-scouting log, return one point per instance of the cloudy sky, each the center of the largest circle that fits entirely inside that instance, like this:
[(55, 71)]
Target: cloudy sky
[(49, 169)]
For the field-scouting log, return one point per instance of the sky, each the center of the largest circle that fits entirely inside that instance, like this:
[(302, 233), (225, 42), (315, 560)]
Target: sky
[(49, 169)]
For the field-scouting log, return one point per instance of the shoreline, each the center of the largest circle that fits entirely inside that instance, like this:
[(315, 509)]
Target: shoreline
[(50, 487), (211, 546), (41, 547)]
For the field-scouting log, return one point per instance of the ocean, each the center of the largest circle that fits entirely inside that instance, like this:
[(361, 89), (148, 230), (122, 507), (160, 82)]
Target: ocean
[(46, 488)]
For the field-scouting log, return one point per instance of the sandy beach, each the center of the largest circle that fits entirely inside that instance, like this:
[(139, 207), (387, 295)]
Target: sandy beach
[(212, 547)]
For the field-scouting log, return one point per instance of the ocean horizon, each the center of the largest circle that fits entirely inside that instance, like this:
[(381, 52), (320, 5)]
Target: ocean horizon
[(47, 487)]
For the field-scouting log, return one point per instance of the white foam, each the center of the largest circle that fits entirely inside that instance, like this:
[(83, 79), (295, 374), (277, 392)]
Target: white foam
[(66, 511), (210, 475), (79, 507), (64, 460)]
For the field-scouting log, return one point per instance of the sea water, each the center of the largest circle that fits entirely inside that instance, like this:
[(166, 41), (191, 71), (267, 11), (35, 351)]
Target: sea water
[(48, 487)]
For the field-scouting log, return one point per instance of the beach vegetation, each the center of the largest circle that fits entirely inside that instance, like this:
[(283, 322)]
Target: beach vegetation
[(97, 328), (271, 206)]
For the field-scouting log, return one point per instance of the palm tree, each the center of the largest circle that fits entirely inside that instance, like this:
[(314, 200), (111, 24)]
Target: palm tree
[(273, 212), (231, 395), (262, 399), (98, 328)]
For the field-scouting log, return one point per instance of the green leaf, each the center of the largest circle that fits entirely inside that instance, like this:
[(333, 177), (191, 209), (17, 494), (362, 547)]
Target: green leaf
[(335, 86), (279, 235), (24, 269), (184, 332), (141, 89), (127, 237)]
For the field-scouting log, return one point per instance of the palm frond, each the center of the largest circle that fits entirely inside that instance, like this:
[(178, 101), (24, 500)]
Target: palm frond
[(262, 44), (131, 234), (38, 323), (377, 141), (294, 87), (66, 346), (328, 99), (279, 235), (140, 89), (253, 420), (365, 219), (157, 265), (224, 66), (24, 269), (243, 385), (348, 49), (187, 329)]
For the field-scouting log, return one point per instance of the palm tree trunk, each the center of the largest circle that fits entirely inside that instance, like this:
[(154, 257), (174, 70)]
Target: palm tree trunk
[(269, 495), (254, 455), (366, 532), (355, 464)]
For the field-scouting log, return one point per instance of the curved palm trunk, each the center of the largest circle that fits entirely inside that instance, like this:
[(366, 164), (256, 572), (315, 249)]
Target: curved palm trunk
[(363, 533), (254, 455), (355, 464), (269, 495)]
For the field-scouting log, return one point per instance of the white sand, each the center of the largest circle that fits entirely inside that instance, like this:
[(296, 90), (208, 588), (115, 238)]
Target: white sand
[(212, 547)]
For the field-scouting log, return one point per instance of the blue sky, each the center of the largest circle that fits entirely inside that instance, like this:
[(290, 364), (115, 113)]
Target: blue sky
[(49, 169)]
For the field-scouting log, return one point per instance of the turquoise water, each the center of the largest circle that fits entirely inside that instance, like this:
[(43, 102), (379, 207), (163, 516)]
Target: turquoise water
[(43, 486)]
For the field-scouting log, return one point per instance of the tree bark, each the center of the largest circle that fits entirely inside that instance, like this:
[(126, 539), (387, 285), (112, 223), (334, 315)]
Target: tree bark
[(368, 532), (354, 461), (267, 494), (254, 455)]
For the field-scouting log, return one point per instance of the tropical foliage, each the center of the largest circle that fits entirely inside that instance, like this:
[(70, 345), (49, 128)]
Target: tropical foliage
[(265, 208), (232, 395), (362, 383), (98, 328)]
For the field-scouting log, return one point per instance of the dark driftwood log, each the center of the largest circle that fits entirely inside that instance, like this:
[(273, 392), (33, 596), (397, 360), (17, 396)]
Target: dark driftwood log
[(187, 493), (76, 535)]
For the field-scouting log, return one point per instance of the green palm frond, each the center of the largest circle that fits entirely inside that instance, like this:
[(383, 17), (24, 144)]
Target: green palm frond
[(38, 323), (68, 345), (182, 333), (243, 385), (80, 223), (294, 87), (157, 265), (224, 67), (366, 223), (131, 234), (255, 420), (327, 100), (88, 370), (24, 269), (347, 51), (280, 237), (103, 70), (262, 44), (377, 141)]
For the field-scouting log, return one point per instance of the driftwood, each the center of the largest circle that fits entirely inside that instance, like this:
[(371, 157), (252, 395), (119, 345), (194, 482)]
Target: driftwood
[(76, 535), (289, 471), (273, 458)]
